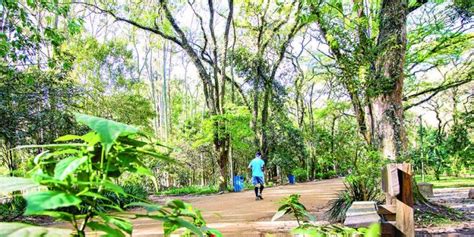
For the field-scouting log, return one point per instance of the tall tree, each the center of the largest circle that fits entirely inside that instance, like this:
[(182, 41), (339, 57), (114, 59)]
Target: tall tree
[(213, 80)]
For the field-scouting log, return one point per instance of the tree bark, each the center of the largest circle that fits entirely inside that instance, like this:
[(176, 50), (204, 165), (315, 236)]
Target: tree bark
[(387, 108)]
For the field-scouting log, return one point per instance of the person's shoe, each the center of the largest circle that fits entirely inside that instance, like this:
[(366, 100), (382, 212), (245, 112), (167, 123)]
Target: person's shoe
[(260, 197), (257, 198)]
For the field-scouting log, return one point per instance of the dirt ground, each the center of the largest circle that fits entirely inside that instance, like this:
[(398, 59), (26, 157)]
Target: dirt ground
[(455, 198), (238, 214)]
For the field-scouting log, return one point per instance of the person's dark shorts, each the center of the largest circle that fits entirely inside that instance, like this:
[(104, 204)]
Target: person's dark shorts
[(257, 180)]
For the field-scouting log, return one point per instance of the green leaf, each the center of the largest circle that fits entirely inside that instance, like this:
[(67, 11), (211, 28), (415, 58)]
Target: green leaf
[(11, 184), (176, 203), (39, 157), (123, 224), (31, 3), (93, 195), (25, 230), (52, 146), (91, 138), (47, 200), (374, 230), (105, 228), (156, 155), (148, 206), (74, 26), (68, 137), (144, 171), (108, 130), (113, 187), (278, 215), (68, 166), (189, 226)]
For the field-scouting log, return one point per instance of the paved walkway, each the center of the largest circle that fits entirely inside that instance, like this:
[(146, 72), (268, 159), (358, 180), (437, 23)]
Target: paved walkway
[(238, 214)]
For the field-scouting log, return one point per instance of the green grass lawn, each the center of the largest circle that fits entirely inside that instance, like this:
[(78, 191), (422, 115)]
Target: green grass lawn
[(448, 181)]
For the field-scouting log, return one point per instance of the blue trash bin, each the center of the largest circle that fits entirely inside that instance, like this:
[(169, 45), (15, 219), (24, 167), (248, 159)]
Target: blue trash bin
[(238, 183), (291, 179)]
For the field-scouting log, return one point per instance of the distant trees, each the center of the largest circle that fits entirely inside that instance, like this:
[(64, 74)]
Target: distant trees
[(34, 90), (317, 86)]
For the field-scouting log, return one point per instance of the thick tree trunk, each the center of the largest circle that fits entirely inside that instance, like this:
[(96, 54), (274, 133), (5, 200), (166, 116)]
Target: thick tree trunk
[(387, 106), (223, 159)]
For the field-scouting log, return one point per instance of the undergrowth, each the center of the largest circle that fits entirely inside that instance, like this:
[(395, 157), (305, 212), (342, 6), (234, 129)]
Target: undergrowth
[(197, 190)]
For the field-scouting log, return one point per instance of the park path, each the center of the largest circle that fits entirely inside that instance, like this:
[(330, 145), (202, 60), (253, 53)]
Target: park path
[(238, 214)]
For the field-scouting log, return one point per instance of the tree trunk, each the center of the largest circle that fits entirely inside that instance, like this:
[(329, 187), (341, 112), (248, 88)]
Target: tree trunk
[(223, 160), (388, 109), (264, 129)]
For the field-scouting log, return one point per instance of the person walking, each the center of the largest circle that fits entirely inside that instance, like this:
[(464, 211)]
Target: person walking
[(256, 165)]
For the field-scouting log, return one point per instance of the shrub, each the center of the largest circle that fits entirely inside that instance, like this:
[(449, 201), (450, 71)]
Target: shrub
[(12, 209), (198, 190), (300, 174), (292, 206), (78, 175), (362, 185), (134, 193)]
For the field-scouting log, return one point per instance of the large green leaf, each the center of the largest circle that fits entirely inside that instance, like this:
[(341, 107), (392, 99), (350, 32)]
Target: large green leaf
[(68, 137), (68, 166), (109, 231), (188, 225), (25, 230), (278, 215), (108, 130), (49, 200), (123, 224)]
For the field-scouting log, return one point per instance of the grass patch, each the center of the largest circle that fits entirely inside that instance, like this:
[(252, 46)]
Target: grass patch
[(437, 215), (448, 181), (196, 190)]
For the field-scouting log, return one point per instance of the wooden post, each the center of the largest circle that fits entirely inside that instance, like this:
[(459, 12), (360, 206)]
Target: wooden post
[(404, 218), (397, 185)]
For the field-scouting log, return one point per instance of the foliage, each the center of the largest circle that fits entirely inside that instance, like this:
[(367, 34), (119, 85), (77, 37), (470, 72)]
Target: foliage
[(300, 174), (287, 147), (444, 152), (78, 176), (362, 185), (437, 216), (23, 36), (12, 209), (33, 87), (292, 206), (30, 118), (107, 75), (193, 190), (26, 230), (134, 193), (448, 181), (334, 230)]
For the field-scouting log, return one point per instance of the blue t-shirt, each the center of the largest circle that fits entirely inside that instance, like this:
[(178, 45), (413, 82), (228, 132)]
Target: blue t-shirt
[(257, 164)]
